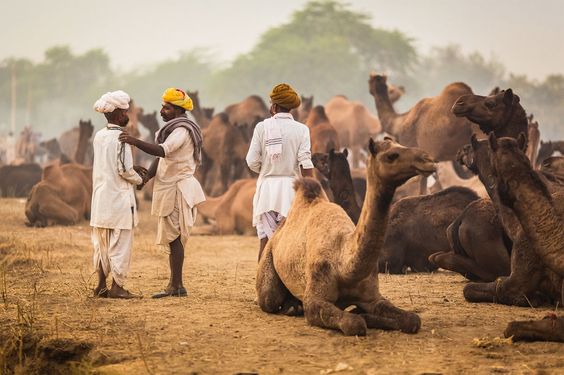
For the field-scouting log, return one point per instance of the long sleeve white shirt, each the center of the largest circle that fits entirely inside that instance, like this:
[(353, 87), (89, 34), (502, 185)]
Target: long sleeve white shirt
[(113, 178), (275, 183)]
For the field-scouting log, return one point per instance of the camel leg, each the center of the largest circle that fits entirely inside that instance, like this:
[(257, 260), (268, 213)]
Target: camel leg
[(271, 291), (384, 315), (550, 328), (520, 288), (465, 266), (319, 311), (58, 211)]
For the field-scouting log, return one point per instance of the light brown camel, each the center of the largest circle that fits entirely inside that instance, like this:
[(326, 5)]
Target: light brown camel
[(323, 135), (541, 216), (224, 148), (248, 112), (354, 124), (68, 141), (62, 197), (232, 211), (320, 258), (429, 124)]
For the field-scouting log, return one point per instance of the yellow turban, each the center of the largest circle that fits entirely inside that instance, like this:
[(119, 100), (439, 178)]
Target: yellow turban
[(178, 97), (285, 96)]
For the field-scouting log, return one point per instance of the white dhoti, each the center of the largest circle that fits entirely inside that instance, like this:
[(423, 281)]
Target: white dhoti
[(112, 250), (268, 223), (178, 223), (271, 203)]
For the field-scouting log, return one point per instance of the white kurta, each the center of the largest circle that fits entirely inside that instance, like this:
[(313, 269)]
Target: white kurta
[(113, 195), (275, 191), (176, 188)]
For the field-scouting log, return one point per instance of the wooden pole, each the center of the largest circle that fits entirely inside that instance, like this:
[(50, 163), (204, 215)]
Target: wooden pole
[(13, 117)]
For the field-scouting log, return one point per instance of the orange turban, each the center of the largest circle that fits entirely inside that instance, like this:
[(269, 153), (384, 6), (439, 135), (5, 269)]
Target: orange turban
[(285, 96), (178, 97)]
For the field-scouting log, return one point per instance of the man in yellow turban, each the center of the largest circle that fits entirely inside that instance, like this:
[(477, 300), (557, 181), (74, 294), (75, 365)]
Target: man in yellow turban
[(176, 192), (280, 151)]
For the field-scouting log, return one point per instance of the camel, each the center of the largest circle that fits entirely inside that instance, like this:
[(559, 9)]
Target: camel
[(224, 149), (18, 180), (233, 210), (63, 196), (418, 228), (446, 177), (85, 130), (318, 257), (541, 216), (552, 169), (301, 113), (429, 124), (26, 146), (248, 112), (533, 135), (68, 142), (52, 148), (323, 135), (335, 167), (353, 123), (547, 149), (198, 112), (150, 122)]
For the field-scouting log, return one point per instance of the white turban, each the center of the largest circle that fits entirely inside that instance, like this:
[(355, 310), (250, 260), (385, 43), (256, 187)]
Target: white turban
[(112, 100)]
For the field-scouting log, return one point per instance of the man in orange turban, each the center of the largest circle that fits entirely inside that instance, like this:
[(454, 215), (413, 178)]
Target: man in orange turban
[(280, 151), (176, 192)]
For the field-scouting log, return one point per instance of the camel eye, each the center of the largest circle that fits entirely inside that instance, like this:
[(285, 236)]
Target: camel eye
[(392, 156), (490, 104)]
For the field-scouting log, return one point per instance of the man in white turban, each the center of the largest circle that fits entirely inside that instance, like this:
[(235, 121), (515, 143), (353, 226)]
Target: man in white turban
[(114, 212)]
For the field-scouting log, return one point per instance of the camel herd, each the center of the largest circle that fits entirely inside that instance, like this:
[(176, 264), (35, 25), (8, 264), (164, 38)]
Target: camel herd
[(460, 182)]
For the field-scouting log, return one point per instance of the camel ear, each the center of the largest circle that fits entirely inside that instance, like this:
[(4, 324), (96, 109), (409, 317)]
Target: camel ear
[(474, 142), (346, 153), (522, 141), (493, 141), (508, 97), (372, 147)]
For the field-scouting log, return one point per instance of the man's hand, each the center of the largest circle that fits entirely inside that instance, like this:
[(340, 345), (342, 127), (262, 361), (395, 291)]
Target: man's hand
[(126, 138), (140, 171)]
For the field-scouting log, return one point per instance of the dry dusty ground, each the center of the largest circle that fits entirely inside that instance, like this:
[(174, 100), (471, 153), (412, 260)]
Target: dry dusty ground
[(218, 329)]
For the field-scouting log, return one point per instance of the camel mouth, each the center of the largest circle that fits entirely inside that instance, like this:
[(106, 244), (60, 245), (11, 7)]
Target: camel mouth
[(427, 169)]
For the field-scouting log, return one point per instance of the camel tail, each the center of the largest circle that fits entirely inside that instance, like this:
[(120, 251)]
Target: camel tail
[(309, 188)]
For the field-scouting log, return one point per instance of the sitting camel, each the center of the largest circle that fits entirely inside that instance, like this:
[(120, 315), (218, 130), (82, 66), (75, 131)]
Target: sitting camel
[(446, 177), (18, 180), (63, 196), (320, 258), (541, 216), (232, 211)]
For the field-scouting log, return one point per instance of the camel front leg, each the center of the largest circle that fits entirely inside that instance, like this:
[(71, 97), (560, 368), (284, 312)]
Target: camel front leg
[(56, 210), (319, 309), (460, 264), (383, 314), (273, 296), (550, 328)]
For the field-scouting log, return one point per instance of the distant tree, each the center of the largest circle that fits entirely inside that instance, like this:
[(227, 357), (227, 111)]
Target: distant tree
[(325, 49)]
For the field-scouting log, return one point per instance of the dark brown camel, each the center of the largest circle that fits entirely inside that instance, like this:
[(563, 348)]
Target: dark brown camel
[(248, 112), (198, 112), (150, 122), (85, 131), (68, 142), (17, 180), (429, 124), (302, 112), (541, 217), (547, 149), (552, 169)]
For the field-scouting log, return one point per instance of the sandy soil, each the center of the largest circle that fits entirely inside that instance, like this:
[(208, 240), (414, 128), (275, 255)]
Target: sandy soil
[(219, 330)]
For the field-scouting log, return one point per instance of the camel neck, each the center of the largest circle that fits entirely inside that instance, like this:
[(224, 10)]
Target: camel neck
[(541, 222), (515, 123), (368, 237), (386, 113)]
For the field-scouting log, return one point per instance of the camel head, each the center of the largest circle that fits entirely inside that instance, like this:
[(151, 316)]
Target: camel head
[(395, 92), (149, 121), (377, 84), (511, 166), (52, 146), (321, 163), (195, 98), (302, 112), (86, 128), (394, 164), (492, 112), (208, 112)]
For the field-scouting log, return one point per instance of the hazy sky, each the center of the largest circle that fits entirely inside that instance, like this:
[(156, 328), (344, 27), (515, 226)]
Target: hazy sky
[(526, 36)]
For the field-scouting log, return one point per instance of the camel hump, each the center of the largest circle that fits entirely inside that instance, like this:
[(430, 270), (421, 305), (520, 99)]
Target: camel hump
[(52, 172), (309, 188)]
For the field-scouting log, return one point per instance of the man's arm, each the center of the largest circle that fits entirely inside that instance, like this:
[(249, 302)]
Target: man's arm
[(149, 148), (254, 155), (125, 165), (304, 156)]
